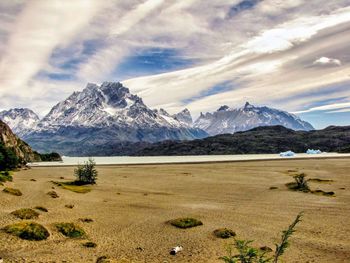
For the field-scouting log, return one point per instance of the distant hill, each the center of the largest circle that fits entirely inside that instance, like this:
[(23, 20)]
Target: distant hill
[(268, 139)]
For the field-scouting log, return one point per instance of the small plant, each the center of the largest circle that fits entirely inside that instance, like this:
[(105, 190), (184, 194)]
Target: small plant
[(86, 220), (70, 230), (299, 184), (249, 254), (28, 231), (12, 191), (69, 206), (25, 213), (86, 173), (5, 176), (89, 244), (224, 233), (185, 222), (41, 208), (53, 194)]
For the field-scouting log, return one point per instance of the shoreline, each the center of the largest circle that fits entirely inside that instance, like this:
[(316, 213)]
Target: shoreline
[(277, 158)]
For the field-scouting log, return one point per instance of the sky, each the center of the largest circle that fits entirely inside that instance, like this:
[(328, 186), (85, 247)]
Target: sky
[(197, 54)]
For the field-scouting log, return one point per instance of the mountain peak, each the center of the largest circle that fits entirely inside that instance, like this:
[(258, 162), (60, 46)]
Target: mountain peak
[(247, 105), (223, 108), (20, 120), (184, 116)]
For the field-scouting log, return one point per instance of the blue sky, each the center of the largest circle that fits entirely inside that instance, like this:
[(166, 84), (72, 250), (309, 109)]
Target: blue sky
[(292, 55)]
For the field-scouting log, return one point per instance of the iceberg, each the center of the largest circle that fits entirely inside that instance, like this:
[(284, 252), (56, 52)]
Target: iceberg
[(287, 154), (312, 151)]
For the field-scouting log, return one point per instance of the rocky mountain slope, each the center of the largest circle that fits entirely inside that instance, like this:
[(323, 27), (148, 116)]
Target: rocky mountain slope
[(21, 149), (268, 139), (20, 120), (229, 120), (101, 116)]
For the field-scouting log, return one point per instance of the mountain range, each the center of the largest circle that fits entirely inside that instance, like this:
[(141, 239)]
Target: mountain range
[(107, 119)]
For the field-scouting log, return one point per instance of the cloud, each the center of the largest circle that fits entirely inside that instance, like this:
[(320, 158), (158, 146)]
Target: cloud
[(324, 61), (264, 49), (328, 107)]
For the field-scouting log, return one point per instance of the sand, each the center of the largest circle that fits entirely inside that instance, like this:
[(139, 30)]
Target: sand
[(130, 206)]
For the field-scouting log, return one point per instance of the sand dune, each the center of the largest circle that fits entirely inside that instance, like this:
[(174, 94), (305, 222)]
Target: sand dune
[(130, 205)]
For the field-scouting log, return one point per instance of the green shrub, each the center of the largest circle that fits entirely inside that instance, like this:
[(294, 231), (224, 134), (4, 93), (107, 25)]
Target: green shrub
[(28, 231), (8, 159), (224, 233), (5, 176), (185, 222), (248, 254), (70, 230), (12, 191), (41, 208), (299, 184), (86, 173), (25, 213)]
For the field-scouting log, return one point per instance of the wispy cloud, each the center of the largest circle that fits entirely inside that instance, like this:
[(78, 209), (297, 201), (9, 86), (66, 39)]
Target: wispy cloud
[(270, 52)]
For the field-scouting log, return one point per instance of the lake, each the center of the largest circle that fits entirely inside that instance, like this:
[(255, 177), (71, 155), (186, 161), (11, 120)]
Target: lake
[(180, 159)]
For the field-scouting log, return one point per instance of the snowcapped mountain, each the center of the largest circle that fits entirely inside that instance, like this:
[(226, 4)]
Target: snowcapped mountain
[(105, 115), (20, 120), (229, 120), (184, 117)]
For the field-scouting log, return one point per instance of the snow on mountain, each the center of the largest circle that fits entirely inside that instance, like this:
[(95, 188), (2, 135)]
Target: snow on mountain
[(20, 120), (105, 116), (184, 117), (110, 104), (230, 120)]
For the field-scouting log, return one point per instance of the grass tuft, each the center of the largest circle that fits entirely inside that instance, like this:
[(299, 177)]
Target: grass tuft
[(74, 186), (5, 176), (12, 191), (86, 220), (224, 233), (70, 230), (185, 222), (41, 208), (28, 231), (25, 213), (89, 244), (69, 206), (53, 194)]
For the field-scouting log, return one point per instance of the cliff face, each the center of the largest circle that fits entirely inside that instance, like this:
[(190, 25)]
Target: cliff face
[(19, 147)]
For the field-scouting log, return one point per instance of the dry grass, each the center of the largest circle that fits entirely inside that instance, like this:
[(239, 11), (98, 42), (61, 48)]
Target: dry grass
[(12, 191), (185, 222), (25, 213), (28, 231), (224, 233), (70, 230), (72, 186)]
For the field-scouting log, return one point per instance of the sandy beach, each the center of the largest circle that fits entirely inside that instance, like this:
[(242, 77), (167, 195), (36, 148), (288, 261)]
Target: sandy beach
[(131, 204)]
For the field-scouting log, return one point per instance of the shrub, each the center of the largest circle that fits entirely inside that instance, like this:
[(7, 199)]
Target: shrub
[(28, 231), (12, 191), (53, 194), (299, 184), (25, 213), (69, 206), (5, 177), (86, 173), (41, 208), (185, 222), (70, 230), (249, 254), (224, 233), (8, 159)]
